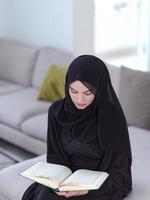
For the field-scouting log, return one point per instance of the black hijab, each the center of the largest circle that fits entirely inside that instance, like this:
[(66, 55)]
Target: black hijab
[(105, 109)]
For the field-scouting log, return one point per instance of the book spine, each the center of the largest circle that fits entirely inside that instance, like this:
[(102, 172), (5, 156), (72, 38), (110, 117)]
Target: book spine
[(55, 190)]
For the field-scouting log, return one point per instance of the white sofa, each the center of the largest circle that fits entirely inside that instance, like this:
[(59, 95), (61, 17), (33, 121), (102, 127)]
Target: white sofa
[(24, 120)]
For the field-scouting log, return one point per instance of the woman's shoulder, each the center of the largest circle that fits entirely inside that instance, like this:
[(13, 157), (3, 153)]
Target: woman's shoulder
[(55, 105)]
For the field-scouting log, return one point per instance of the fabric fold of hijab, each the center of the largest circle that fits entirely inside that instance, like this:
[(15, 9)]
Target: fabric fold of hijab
[(105, 109)]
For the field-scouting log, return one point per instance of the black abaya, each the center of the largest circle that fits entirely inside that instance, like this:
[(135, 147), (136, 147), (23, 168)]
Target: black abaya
[(84, 155)]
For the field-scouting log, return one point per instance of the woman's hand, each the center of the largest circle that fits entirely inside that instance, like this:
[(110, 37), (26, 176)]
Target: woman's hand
[(72, 193)]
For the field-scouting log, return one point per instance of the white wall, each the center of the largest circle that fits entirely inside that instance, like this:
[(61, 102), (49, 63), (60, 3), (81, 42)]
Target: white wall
[(1, 18), (83, 26), (39, 22), (66, 24)]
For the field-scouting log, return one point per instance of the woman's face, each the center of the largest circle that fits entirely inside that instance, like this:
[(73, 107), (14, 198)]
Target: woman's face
[(80, 95)]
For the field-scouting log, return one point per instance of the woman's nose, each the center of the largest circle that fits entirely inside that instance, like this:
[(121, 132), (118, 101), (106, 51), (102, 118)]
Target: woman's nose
[(80, 98)]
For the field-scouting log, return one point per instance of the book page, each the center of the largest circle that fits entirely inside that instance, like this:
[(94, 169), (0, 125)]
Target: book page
[(84, 179), (42, 170)]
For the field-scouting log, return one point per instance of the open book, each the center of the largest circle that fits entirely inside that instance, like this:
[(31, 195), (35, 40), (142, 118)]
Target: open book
[(61, 178)]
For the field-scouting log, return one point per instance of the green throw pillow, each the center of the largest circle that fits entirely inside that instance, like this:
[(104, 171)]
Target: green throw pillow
[(52, 87)]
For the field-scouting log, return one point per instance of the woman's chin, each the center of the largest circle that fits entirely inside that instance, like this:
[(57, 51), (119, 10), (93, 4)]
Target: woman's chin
[(81, 107)]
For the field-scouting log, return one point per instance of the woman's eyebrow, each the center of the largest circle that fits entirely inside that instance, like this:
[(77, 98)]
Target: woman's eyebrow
[(72, 88), (83, 91)]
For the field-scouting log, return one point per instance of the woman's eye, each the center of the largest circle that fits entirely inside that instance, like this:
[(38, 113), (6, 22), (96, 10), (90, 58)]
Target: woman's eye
[(88, 93), (73, 91)]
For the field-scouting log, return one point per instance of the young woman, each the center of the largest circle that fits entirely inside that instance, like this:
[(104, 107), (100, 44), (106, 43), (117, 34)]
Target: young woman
[(87, 129)]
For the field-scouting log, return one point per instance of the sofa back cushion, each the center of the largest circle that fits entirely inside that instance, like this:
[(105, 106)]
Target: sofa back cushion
[(114, 76), (16, 61), (48, 56), (134, 95)]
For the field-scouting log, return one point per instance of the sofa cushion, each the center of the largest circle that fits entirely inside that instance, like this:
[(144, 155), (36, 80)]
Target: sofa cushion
[(140, 146), (18, 183), (134, 95), (17, 61), (29, 126), (18, 138), (48, 56), (114, 76), (7, 87), (18, 106), (53, 85), (141, 179), (140, 141)]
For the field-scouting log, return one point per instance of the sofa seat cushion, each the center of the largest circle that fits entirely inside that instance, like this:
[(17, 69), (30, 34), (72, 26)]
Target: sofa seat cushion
[(48, 56), (7, 87), (18, 183), (17, 61), (140, 145), (141, 179), (20, 105), (140, 141), (29, 126)]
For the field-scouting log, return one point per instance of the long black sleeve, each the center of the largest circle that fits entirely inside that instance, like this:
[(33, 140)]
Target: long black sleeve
[(119, 181), (51, 155), (55, 153)]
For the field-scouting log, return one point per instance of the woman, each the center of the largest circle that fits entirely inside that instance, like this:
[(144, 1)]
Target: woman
[(87, 129)]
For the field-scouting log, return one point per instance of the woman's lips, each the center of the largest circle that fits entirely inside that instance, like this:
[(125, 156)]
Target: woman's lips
[(80, 105)]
